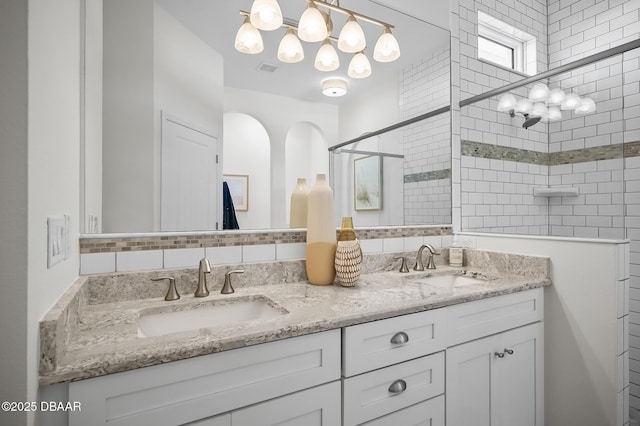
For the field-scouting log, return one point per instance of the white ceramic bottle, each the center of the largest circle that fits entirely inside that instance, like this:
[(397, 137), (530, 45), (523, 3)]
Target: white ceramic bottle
[(299, 202), (321, 233)]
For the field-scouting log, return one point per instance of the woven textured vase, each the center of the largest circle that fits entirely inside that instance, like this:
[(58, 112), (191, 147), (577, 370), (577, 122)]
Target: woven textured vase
[(348, 262)]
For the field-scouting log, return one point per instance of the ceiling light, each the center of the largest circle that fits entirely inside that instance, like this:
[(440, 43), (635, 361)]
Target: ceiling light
[(266, 15), (352, 37), (290, 49), (523, 106), (312, 26), (571, 101), (359, 67), (554, 114), (507, 102), (587, 106), (327, 58), (387, 48), (248, 39), (539, 93), (334, 87), (556, 96), (538, 110)]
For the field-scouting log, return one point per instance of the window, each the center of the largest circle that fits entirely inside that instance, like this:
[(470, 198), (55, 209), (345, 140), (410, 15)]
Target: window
[(506, 46)]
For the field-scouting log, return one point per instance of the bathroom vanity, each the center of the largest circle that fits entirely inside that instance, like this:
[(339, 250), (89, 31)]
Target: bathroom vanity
[(383, 353)]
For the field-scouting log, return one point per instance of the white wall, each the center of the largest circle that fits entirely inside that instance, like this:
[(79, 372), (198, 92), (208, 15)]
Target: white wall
[(91, 120), (16, 369), (53, 159), (278, 114), (152, 64), (187, 83), (128, 134), (371, 110), (585, 343), (246, 151)]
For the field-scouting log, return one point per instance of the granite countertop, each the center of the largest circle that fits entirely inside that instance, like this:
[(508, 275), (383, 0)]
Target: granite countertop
[(83, 338)]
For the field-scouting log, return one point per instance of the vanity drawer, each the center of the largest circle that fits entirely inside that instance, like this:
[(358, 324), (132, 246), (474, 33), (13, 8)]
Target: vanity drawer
[(371, 395), (192, 389), (377, 344), (473, 320), (426, 413)]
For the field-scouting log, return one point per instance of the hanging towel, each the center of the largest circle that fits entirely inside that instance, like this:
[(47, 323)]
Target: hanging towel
[(229, 220)]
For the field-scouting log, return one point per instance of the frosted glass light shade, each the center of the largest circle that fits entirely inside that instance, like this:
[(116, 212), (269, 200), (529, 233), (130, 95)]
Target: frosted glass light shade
[(352, 37), (587, 106), (554, 114), (248, 39), (266, 15), (359, 67), (327, 58), (571, 101), (523, 106), (312, 26), (334, 87), (507, 102), (290, 49), (539, 93), (556, 96), (538, 110), (387, 48)]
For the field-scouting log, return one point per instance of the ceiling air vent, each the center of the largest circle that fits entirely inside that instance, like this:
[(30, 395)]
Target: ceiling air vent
[(267, 67)]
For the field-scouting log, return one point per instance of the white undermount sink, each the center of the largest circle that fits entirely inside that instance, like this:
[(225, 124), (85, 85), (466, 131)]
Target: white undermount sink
[(218, 314), (447, 281)]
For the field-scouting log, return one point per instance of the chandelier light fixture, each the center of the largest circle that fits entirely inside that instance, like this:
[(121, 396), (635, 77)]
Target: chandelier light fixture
[(544, 104), (316, 26)]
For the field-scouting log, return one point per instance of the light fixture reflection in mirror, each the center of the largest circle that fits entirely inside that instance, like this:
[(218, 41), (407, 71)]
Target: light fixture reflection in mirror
[(182, 76)]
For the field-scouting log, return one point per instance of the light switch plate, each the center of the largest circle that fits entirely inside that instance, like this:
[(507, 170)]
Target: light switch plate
[(58, 242)]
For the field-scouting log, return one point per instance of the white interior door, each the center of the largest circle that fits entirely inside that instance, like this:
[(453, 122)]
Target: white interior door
[(189, 188)]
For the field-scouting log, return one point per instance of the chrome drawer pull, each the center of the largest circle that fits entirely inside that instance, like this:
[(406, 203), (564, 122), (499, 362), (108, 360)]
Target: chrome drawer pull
[(509, 351), (499, 354), (400, 338), (398, 386)]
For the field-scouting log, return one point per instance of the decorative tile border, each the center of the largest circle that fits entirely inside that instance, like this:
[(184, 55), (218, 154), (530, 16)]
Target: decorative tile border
[(165, 241), (427, 176), (597, 153), (497, 152)]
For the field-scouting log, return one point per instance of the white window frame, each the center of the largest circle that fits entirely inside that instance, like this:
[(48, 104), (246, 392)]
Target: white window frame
[(522, 43)]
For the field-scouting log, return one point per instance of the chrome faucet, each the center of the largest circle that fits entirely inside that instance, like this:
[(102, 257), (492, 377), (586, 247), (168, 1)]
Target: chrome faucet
[(419, 266), (203, 269)]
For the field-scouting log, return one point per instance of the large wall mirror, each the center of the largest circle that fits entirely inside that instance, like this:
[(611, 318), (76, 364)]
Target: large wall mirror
[(173, 110)]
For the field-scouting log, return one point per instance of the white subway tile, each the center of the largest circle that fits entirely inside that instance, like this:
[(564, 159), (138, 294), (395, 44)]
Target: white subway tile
[(97, 263), (183, 258), (258, 253), (291, 251), (139, 260), (224, 255)]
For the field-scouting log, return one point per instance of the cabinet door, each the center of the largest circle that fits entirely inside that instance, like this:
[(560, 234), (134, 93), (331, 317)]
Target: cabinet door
[(469, 374), (221, 420), (319, 406), (520, 378), (498, 380)]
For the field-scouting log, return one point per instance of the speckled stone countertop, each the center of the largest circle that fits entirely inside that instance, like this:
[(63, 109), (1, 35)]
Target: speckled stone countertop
[(92, 330)]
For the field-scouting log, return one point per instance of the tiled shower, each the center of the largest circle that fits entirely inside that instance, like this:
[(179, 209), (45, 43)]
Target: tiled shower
[(596, 155)]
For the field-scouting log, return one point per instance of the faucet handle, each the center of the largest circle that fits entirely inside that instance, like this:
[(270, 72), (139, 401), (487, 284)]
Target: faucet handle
[(172, 292), (227, 288), (403, 266)]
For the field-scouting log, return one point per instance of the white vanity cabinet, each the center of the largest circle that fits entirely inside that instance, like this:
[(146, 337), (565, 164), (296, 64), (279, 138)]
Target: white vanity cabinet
[(393, 371), (497, 380), (200, 388)]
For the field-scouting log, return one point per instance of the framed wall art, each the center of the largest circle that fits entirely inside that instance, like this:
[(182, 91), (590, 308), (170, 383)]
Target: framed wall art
[(239, 189), (367, 181)]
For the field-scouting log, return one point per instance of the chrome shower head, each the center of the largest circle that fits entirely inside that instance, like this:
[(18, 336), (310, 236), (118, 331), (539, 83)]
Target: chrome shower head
[(528, 122)]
